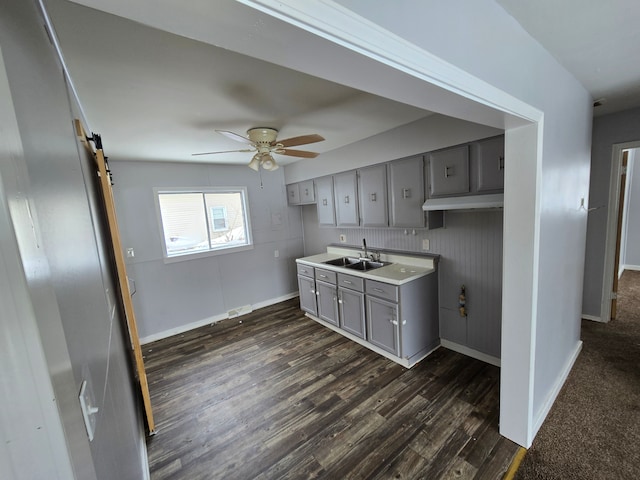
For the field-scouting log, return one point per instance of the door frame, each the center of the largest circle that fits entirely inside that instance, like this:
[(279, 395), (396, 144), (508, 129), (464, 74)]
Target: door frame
[(612, 227)]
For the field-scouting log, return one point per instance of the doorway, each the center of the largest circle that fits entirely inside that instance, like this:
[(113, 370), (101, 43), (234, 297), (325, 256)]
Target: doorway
[(622, 224)]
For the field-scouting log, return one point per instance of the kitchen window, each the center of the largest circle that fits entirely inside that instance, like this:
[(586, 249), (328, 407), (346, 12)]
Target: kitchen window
[(204, 221)]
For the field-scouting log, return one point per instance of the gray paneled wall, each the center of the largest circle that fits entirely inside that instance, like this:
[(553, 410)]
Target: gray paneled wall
[(470, 246), (173, 297)]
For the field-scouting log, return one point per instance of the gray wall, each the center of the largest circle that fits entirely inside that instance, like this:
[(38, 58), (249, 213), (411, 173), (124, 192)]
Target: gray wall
[(68, 281), (630, 246), (607, 130), (173, 297)]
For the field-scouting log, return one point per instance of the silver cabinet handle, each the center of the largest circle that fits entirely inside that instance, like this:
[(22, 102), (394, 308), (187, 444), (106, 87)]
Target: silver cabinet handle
[(324, 202), (306, 192), (372, 197), (340, 301), (393, 321), (312, 291), (446, 171), (404, 322), (406, 193), (347, 282), (322, 276), (501, 162), (378, 290), (346, 199)]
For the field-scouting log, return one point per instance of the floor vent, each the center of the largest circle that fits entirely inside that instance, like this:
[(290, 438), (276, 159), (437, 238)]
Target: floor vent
[(236, 312)]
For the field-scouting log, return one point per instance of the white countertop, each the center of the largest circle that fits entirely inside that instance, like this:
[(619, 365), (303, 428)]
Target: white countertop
[(403, 268)]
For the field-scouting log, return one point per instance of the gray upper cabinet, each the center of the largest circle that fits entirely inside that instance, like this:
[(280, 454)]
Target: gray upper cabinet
[(307, 194), (406, 183), (300, 193), (293, 194), (326, 212), (489, 157), (449, 171), (346, 199), (372, 195)]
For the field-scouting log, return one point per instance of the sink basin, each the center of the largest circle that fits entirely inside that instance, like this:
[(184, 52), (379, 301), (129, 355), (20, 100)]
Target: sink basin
[(365, 265), (343, 262)]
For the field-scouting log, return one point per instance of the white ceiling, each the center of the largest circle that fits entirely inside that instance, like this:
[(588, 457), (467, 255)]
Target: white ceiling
[(154, 95), (597, 41)]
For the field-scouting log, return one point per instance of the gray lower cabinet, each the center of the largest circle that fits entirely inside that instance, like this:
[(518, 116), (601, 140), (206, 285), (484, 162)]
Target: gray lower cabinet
[(324, 202), (382, 324), (372, 196), (345, 188), (449, 171), (327, 296), (351, 304), (307, 288)]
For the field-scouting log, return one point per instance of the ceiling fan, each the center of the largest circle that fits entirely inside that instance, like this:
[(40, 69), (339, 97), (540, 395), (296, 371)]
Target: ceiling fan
[(263, 141)]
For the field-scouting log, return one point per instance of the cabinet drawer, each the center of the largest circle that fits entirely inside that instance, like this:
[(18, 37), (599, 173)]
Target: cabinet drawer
[(326, 276), (381, 290), (349, 281), (305, 270)]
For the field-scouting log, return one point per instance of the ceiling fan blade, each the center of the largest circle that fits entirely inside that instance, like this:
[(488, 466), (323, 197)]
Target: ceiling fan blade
[(297, 153), (225, 151), (301, 140), (235, 136)]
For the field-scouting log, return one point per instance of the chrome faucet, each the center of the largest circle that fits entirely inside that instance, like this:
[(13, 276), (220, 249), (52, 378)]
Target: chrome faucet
[(364, 246)]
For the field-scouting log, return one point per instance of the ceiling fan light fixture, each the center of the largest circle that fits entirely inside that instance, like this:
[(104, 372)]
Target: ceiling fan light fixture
[(269, 163), (255, 162)]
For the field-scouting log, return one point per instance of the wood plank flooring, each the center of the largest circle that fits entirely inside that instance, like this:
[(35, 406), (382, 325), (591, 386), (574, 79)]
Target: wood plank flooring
[(273, 395)]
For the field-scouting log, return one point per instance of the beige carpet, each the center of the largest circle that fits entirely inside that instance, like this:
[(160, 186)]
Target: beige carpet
[(593, 429)]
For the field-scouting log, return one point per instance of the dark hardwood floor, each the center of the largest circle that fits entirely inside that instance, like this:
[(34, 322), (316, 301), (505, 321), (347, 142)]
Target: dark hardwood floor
[(273, 394)]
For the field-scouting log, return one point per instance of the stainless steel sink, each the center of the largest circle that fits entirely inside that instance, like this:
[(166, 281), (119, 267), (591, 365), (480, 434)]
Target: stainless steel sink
[(354, 263), (343, 262), (365, 265)]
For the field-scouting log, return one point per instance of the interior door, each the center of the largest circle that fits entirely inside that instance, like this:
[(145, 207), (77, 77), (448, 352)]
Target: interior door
[(616, 264), (121, 270)]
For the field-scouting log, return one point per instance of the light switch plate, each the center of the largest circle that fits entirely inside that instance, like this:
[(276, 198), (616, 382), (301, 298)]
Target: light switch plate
[(425, 244), (89, 410)]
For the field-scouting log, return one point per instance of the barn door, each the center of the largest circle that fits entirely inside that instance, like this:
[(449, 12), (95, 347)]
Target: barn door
[(95, 148)]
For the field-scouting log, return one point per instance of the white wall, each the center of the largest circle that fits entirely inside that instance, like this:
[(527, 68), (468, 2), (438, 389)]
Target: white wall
[(425, 135), (173, 297), (482, 39)]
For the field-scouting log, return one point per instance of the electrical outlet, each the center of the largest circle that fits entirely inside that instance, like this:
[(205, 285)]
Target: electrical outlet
[(130, 253), (343, 238), (276, 253), (425, 244)]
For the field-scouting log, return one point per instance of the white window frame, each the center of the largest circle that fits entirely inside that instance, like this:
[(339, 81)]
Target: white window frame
[(157, 191)]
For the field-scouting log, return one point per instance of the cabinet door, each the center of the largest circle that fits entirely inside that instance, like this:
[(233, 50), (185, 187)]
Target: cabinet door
[(326, 213), (351, 306), (346, 197), (449, 171), (327, 302), (490, 161), (306, 192), (406, 178), (307, 288), (382, 324), (293, 194), (372, 195)]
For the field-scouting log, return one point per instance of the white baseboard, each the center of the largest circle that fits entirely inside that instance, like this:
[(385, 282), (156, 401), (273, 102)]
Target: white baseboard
[(210, 320), (593, 318), (551, 398), (635, 268), (470, 352)]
